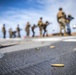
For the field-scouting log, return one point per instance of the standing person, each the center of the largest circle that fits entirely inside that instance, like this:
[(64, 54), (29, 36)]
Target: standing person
[(33, 28), (4, 31), (40, 25), (61, 16), (18, 30), (27, 29), (45, 28), (10, 33), (68, 19)]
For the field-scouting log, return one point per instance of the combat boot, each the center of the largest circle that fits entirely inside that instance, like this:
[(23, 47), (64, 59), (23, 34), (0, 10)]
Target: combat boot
[(65, 34)]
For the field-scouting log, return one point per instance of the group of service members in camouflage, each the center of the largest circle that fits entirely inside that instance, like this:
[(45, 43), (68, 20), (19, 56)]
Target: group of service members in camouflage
[(12, 34), (42, 27), (63, 20)]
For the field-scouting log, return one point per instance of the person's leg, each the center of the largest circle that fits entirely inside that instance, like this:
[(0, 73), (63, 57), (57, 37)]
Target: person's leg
[(64, 26), (60, 25), (43, 32), (33, 33), (67, 27), (12, 35), (40, 31), (19, 34), (4, 35), (9, 35), (46, 33), (28, 33), (69, 30), (60, 29), (15, 35)]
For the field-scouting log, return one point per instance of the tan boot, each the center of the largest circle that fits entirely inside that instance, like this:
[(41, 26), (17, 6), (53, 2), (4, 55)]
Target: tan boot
[(60, 34), (65, 34)]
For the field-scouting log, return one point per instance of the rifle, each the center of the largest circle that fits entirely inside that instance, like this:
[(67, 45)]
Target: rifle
[(48, 23), (20, 29)]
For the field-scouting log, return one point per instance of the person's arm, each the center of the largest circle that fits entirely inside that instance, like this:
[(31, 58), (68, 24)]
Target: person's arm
[(2, 29), (57, 18), (36, 26), (71, 18), (38, 23), (49, 23), (20, 29)]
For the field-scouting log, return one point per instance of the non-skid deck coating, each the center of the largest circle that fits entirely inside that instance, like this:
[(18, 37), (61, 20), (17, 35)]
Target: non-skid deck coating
[(38, 62)]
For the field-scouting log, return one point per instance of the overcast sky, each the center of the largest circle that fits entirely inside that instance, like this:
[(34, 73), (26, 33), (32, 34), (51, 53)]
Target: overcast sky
[(13, 12)]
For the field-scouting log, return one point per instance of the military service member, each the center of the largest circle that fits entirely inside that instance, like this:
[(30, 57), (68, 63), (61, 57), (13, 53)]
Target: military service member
[(18, 30), (68, 19), (45, 28), (40, 25), (27, 29), (33, 28), (10, 32), (14, 34), (4, 31), (61, 16)]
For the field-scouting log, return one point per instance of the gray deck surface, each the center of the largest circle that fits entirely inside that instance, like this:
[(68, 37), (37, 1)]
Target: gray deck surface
[(30, 61)]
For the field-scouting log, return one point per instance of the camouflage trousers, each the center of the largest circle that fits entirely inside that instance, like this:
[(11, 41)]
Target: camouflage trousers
[(33, 33), (45, 32), (10, 35), (19, 34), (62, 25), (40, 29), (27, 33), (4, 34), (68, 29)]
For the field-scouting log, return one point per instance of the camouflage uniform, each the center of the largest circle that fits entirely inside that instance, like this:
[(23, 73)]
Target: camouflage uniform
[(61, 20), (4, 31), (18, 31), (44, 28), (27, 29), (68, 19), (10, 33), (40, 24), (14, 34), (32, 28)]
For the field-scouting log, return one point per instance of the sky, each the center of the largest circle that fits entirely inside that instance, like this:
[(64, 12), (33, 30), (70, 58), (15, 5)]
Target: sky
[(13, 12)]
